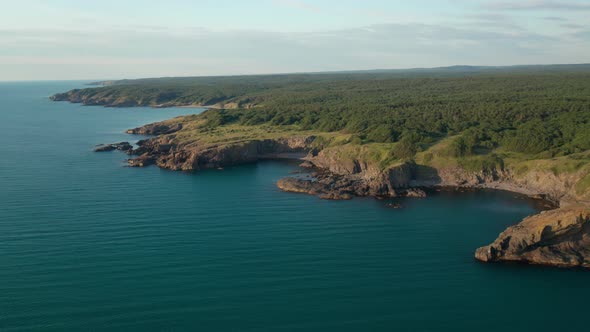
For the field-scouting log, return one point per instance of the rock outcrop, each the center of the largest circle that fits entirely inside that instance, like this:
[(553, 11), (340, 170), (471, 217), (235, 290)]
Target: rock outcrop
[(333, 186), (324, 185), (415, 192), (122, 146), (158, 128), (344, 174), (558, 237), (164, 152)]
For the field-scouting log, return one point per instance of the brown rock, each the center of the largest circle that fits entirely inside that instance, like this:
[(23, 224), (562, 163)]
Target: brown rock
[(415, 193), (159, 128), (141, 161), (336, 196), (558, 237), (306, 164), (296, 185)]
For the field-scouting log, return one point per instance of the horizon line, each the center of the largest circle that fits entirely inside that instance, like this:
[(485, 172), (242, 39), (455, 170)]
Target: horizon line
[(343, 71)]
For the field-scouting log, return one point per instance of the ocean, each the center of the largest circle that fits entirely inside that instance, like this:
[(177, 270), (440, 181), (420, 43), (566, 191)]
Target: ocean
[(89, 244)]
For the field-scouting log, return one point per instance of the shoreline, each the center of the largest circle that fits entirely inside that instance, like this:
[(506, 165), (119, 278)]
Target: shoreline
[(543, 201), (557, 236)]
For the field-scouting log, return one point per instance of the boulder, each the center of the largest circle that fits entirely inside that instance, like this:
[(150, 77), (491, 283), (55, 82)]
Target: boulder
[(104, 148)]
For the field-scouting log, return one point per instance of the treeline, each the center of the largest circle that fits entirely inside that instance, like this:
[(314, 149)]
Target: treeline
[(532, 114), (531, 111)]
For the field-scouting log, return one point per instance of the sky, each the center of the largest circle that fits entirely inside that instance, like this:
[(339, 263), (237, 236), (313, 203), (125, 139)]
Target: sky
[(114, 39)]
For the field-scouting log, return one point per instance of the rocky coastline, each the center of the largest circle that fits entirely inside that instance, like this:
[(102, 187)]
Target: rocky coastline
[(559, 237)]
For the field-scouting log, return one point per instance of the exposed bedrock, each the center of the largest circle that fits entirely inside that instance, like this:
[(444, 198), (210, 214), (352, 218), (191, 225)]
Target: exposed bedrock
[(122, 146), (558, 237), (156, 129), (163, 152), (329, 185)]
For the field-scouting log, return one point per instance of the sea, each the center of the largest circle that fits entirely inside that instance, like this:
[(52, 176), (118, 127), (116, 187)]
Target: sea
[(88, 244)]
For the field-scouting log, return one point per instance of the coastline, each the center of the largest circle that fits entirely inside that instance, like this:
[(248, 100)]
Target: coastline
[(71, 97), (557, 239)]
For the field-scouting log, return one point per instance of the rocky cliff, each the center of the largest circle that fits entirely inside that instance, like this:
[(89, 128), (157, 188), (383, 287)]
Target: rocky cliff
[(370, 179), (166, 152), (558, 237), (158, 128), (340, 174), (543, 184)]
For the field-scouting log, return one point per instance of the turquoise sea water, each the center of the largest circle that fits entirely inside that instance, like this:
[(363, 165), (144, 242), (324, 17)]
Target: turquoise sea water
[(87, 244)]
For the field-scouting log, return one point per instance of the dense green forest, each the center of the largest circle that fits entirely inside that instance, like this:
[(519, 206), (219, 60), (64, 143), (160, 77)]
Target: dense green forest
[(542, 111)]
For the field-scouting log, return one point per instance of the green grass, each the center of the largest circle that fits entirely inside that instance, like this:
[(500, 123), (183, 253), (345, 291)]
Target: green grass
[(375, 154)]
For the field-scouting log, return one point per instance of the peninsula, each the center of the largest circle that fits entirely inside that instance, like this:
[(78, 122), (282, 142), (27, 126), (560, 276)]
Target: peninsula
[(389, 133)]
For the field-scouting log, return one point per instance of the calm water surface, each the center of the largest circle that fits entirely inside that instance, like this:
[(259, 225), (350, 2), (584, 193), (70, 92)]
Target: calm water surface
[(87, 244)]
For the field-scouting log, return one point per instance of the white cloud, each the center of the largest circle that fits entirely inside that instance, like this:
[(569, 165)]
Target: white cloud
[(157, 51), (537, 5)]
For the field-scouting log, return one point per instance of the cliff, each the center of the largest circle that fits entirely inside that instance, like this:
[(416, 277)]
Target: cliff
[(170, 152), (559, 237), (186, 143)]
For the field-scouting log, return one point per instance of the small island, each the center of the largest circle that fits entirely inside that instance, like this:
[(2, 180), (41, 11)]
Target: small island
[(391, 133)]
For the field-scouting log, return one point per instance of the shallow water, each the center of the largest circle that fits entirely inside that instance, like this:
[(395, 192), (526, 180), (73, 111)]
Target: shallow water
[(87, 244)]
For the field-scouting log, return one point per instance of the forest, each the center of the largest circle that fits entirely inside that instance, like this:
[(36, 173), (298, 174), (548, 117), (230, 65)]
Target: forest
[(536, 110)]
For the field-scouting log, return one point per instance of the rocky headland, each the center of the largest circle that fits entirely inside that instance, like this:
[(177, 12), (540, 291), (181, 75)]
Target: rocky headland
[(89, 97), (558, 237), (164, 151)]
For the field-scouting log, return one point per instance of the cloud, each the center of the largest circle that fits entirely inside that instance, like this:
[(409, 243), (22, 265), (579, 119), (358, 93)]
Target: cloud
[(491, 21), (537, 5), (555, 18), (582, 35), (572, 26), (491, 17), (164, 52), (393, 38)]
